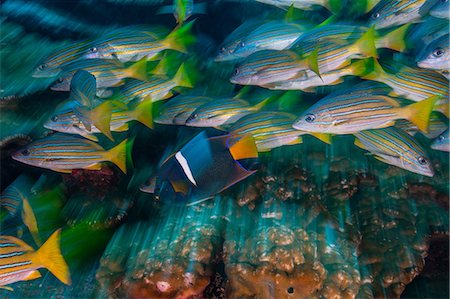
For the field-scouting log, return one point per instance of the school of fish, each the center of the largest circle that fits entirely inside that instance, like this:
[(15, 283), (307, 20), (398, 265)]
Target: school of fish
[(397, 55)]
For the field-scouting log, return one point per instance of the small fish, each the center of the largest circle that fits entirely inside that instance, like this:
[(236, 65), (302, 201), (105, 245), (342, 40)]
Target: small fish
[(157, 87), (190, 177), (269, 66), (69, 121), (442, 143), (390, 13), (393, 146), (436, 126), (108, 73), (139, 44), (436, 55), (222, 112), (269, 130), (342, 115), (274, 35), (177, 110), (307, 80), (441, 9), (19, 261), (16, 196), (415, 84), (63, 153), (394, 40), (52, 65), (226, 51)]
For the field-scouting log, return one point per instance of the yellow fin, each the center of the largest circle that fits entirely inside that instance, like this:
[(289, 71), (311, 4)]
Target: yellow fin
[(181, 77), (322, 137), (7, 288), (261, 104), (394, 40), (118, 154), (49, 256), (90, 137), (33, 275), (377, 71), (29, 220), (179, 38), (313, 62), (359, 144), (366, 44), (100, 116), (298, 140), (244, 148), (95, 166), (138, 70), (143, 113), (419, 113)]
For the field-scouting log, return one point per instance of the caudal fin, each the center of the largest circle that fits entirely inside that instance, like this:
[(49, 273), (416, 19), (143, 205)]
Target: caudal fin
[(366, 44), (244, 148), (138, 70), (50, 257), (180, 38), (419, 113), (394, 40), (181, 78), (118, 154), (143, 113)]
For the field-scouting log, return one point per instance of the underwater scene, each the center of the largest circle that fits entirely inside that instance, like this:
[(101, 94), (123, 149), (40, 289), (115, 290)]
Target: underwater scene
[(224, 149)]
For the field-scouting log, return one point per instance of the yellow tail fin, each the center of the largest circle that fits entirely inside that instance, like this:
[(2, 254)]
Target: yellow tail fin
[(179, 38), (143, 113), (377, 71), (366, 44), (263, 103), (181, 78), (313, 62), (49, 256), (395, 40), (138, 70), (101, 118), (118, 154), (419, 113), (29, 220), (244, 148)]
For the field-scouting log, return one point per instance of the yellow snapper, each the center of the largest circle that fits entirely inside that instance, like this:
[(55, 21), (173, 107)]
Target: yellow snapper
[(347, 114), (394, 146), (64, 152), (19, 261)]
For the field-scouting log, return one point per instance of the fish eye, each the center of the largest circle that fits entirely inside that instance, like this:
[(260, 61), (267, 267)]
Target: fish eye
[(195, 115), (93, 49), (376, 15), (422, 160), (441, 137), (438, 52), (242, 44), (25, 152), (223, 49), (54, 118), (236, 71), (42, 66), (60, 80), (310, 118), (290, 290)]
